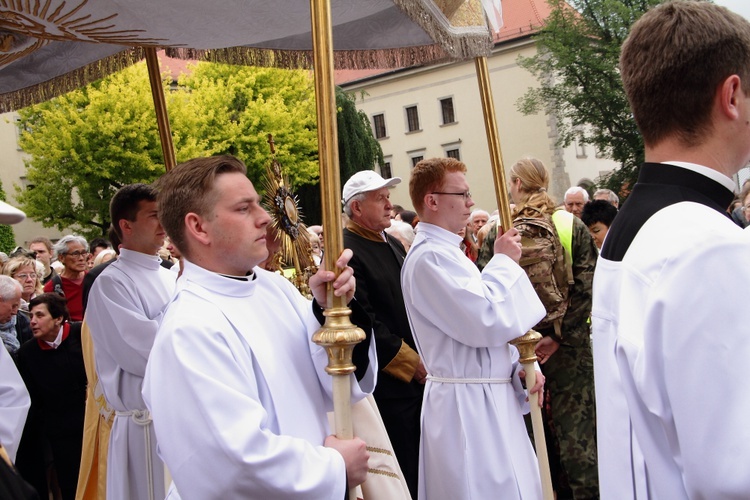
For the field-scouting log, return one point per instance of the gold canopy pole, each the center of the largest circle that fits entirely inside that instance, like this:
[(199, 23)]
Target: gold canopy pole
[(160, 105), (526, 343), (338, 335)]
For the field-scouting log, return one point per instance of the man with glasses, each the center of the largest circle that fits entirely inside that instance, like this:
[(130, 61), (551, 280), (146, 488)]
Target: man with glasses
[(72, 251), (474, 440)]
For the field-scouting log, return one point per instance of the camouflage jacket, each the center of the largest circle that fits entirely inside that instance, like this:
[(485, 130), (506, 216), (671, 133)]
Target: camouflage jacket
[(575, 327)]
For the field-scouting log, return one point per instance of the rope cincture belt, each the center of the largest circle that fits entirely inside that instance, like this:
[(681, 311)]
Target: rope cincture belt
[(143, 418), (444, 380)]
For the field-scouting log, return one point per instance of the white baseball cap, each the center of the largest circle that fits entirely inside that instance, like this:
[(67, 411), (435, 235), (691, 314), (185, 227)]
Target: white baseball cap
[(365, 181)]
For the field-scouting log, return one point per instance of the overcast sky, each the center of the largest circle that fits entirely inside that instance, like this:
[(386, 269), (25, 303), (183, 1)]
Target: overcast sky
[(741, 7)]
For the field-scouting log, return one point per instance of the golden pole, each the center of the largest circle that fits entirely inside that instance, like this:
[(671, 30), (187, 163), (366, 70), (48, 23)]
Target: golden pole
[(165, 137), (338, 335), (160, 105), (526, 343)]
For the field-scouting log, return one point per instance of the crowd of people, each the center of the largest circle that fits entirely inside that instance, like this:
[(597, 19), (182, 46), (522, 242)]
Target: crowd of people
[(167, 362)]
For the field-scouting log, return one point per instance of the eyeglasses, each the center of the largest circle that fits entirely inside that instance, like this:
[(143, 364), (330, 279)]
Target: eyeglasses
[(466, 194), (77, 253), (25, 276), (746, 207)]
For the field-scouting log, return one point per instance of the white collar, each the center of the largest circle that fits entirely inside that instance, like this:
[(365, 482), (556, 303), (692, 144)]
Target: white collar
[(708, 172), (440, 232), (58, 340), (151, 261)]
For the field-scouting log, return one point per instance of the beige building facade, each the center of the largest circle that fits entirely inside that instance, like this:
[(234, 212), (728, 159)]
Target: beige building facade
[(434, 111), (12, 174)]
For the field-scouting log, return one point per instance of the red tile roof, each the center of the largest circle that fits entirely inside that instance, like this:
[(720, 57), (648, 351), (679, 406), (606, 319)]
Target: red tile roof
[(176, 67), (520, 18)]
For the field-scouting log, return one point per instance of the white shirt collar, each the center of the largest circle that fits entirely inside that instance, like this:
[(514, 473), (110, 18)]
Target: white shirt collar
[(434, 230), (708, 172), (56, 343), (151, 261)]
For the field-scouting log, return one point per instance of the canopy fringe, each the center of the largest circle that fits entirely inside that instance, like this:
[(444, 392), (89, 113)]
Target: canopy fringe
[(460, 42), (11, 101), (303, 59)]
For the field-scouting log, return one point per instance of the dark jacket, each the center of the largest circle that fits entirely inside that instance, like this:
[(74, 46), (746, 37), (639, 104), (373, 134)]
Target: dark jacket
[(56, 380), (377, 269)]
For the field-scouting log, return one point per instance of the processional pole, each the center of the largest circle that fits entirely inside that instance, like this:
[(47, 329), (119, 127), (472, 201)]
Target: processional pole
[(527, 342), (160, 105), (338, 335)]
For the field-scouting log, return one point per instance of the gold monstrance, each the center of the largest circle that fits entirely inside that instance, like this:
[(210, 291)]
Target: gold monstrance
[(286, 226)]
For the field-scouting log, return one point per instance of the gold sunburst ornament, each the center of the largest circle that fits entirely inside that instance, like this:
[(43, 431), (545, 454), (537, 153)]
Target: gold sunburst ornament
[(286, 226)]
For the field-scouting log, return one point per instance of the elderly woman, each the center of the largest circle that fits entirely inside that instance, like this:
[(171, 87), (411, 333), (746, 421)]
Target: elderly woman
[(72, 251), (12, 331), (52, 368), (24, 270), (403, 232)]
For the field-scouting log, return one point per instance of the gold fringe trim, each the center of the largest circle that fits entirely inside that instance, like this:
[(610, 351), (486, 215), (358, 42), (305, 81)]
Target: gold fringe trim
[(460, 43), (303, 59), (72, 80)]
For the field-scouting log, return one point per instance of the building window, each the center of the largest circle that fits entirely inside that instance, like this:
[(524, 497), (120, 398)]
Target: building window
[(580, 148), (452, 149), (453, 153), (412, 119), (416, 155), (446, 108), (378, 126), (385, 168)]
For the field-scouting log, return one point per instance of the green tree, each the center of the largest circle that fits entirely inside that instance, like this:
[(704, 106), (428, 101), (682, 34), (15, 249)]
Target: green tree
[(358, 150), (7, 237), (88, 143), (234, 108), (577, 69), (84, 146)]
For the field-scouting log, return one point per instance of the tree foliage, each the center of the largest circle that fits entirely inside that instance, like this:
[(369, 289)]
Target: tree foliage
[(577, 69), (7, 237), (88, 143), (358, 150), (85, 145), (232, 109)]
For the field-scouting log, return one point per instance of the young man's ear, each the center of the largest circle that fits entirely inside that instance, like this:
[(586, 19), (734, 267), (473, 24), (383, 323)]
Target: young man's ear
[(430, 202), (731, 97), (195, 226), (125, 226)]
